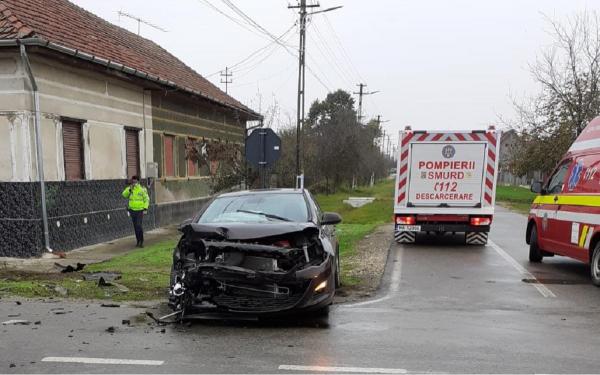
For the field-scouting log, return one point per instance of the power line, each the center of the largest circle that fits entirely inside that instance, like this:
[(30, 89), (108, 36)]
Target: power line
[(235, 20), (261, 29)]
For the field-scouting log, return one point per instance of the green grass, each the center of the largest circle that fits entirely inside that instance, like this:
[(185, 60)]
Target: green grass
[(145, 272), (515, 197), (358, 222)]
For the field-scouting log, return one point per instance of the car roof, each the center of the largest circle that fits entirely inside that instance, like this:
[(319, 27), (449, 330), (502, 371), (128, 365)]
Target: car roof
[(261, 192)]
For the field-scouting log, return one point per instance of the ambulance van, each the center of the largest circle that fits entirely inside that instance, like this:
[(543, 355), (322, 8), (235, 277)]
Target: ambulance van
[(565, 216)]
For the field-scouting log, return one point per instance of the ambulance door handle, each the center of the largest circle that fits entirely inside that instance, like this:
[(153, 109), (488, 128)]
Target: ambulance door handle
[(555, 198)]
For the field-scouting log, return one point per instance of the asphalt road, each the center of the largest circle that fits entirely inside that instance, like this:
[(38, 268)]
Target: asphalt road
[(443, 307)]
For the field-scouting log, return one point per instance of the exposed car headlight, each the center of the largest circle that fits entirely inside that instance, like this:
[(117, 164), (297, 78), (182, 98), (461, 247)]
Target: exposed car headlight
[(321, 286)]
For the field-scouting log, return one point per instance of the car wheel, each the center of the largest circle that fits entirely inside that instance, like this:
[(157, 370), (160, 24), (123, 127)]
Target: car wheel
[(535, 253), (338, 269), (595, 265)]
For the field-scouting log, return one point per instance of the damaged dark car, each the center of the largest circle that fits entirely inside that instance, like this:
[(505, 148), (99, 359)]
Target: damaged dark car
[(256, 253)]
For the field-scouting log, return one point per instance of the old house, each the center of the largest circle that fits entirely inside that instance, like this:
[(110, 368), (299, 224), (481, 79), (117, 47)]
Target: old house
[(111, 104)]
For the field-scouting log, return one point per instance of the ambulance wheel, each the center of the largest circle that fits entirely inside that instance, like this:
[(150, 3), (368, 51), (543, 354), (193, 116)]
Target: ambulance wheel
[(595, 265), (535, 253)]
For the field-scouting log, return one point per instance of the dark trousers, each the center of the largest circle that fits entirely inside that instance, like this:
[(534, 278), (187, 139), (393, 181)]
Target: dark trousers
[(137, 218)]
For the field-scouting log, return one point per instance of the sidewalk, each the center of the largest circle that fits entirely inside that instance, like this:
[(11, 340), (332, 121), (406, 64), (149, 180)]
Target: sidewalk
[(87, 255)]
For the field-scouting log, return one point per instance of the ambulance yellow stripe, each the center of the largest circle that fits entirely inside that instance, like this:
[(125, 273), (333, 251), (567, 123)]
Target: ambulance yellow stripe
[(583, 235), (572, 200)]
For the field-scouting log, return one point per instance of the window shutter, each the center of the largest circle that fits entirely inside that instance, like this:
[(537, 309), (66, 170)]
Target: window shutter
[(169, 159), (132, 152), (73, 150)]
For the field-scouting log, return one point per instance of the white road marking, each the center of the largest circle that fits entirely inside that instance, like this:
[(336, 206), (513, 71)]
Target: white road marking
[(394, 282), (543, 289), (103, 361), (360, 370)]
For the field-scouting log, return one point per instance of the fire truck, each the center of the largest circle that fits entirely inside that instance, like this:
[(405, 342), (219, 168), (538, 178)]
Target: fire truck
[(565, 216), (446, 182)]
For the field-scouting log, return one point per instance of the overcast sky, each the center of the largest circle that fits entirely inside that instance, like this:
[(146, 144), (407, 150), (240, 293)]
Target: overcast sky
[(445, 64)]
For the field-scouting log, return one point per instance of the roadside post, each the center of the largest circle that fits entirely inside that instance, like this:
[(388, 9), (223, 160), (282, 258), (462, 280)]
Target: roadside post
[(263, 149)]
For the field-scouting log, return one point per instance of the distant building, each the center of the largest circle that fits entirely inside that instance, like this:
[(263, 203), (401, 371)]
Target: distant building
[(508, 144), (113, 104)]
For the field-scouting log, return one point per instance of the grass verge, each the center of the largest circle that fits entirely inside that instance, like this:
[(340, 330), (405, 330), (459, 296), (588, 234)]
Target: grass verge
[(515, 197), (358, 222), (145, 272)]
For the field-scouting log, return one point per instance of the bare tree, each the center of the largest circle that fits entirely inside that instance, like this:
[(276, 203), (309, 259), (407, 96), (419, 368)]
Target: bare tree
[(569, 75)]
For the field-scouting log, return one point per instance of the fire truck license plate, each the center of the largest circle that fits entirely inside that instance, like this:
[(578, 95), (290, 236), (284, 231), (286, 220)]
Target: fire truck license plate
[(408, 228)]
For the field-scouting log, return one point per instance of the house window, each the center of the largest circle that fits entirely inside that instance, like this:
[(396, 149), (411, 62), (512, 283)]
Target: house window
[(169, 155), (132, 152), (73, 150)]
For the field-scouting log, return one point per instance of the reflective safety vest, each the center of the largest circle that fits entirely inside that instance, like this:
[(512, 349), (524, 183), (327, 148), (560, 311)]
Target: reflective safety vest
[(138, 197)]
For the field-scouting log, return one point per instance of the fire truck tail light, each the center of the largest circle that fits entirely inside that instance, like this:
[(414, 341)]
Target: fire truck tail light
[(406, 220), (481, 221)]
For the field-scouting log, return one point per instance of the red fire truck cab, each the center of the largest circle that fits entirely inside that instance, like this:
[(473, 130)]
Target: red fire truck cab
[(565, 216)]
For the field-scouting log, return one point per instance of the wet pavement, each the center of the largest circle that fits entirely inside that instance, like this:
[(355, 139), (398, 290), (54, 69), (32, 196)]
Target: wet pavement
[(442, 307)]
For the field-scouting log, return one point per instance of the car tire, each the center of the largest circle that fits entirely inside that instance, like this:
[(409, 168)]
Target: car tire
[(595, 265), (338, 269), (535, 253)]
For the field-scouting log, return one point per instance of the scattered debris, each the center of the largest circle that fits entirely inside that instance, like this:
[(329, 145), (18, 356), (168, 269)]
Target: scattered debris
[(61, 290), (103, 283), (110, 305), (85, 343), (16, 322), (143, 279), (70, 268), (163, 330), (60, 254), (62, 312), (156, 320), (125, 322), (95, 276), (18, 303), (110, 329), (122, 288), (12, 365), (38, 322), (14, 315), (357, 202)]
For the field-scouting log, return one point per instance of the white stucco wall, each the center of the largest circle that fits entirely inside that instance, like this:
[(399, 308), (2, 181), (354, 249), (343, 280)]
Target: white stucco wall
[(104, 104)]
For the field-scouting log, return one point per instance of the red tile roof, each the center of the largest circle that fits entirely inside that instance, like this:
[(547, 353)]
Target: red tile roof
[(66, 24)]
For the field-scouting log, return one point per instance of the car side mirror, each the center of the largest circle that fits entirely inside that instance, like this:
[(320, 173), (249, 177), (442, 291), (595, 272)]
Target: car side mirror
[(330, 218), (536, 187)]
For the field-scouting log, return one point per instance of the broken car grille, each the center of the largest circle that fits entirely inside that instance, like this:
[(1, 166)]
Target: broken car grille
[(255, 303)]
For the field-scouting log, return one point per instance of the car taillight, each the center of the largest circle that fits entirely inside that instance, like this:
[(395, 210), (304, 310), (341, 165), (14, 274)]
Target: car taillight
[(406, 220), (480, 221), (282, 243)]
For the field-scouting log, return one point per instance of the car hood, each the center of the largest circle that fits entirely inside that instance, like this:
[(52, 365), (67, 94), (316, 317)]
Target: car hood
[(246, 231)]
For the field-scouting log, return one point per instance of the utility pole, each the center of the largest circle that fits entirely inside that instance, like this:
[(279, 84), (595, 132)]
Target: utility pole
[(360, 94), (302, 6), (301, 75), (226, 79), (379, 122)]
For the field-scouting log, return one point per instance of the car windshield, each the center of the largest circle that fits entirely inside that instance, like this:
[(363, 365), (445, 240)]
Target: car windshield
[(256, 208)]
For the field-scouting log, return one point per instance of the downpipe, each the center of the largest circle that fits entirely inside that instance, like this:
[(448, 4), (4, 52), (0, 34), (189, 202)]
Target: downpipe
[(38, 144)]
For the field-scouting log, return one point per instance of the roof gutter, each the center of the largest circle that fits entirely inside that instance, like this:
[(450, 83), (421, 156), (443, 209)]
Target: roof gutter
[(118, 67), (38, 145)]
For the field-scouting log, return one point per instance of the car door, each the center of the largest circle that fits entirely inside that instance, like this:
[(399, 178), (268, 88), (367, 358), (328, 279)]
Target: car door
[(554, 234)]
